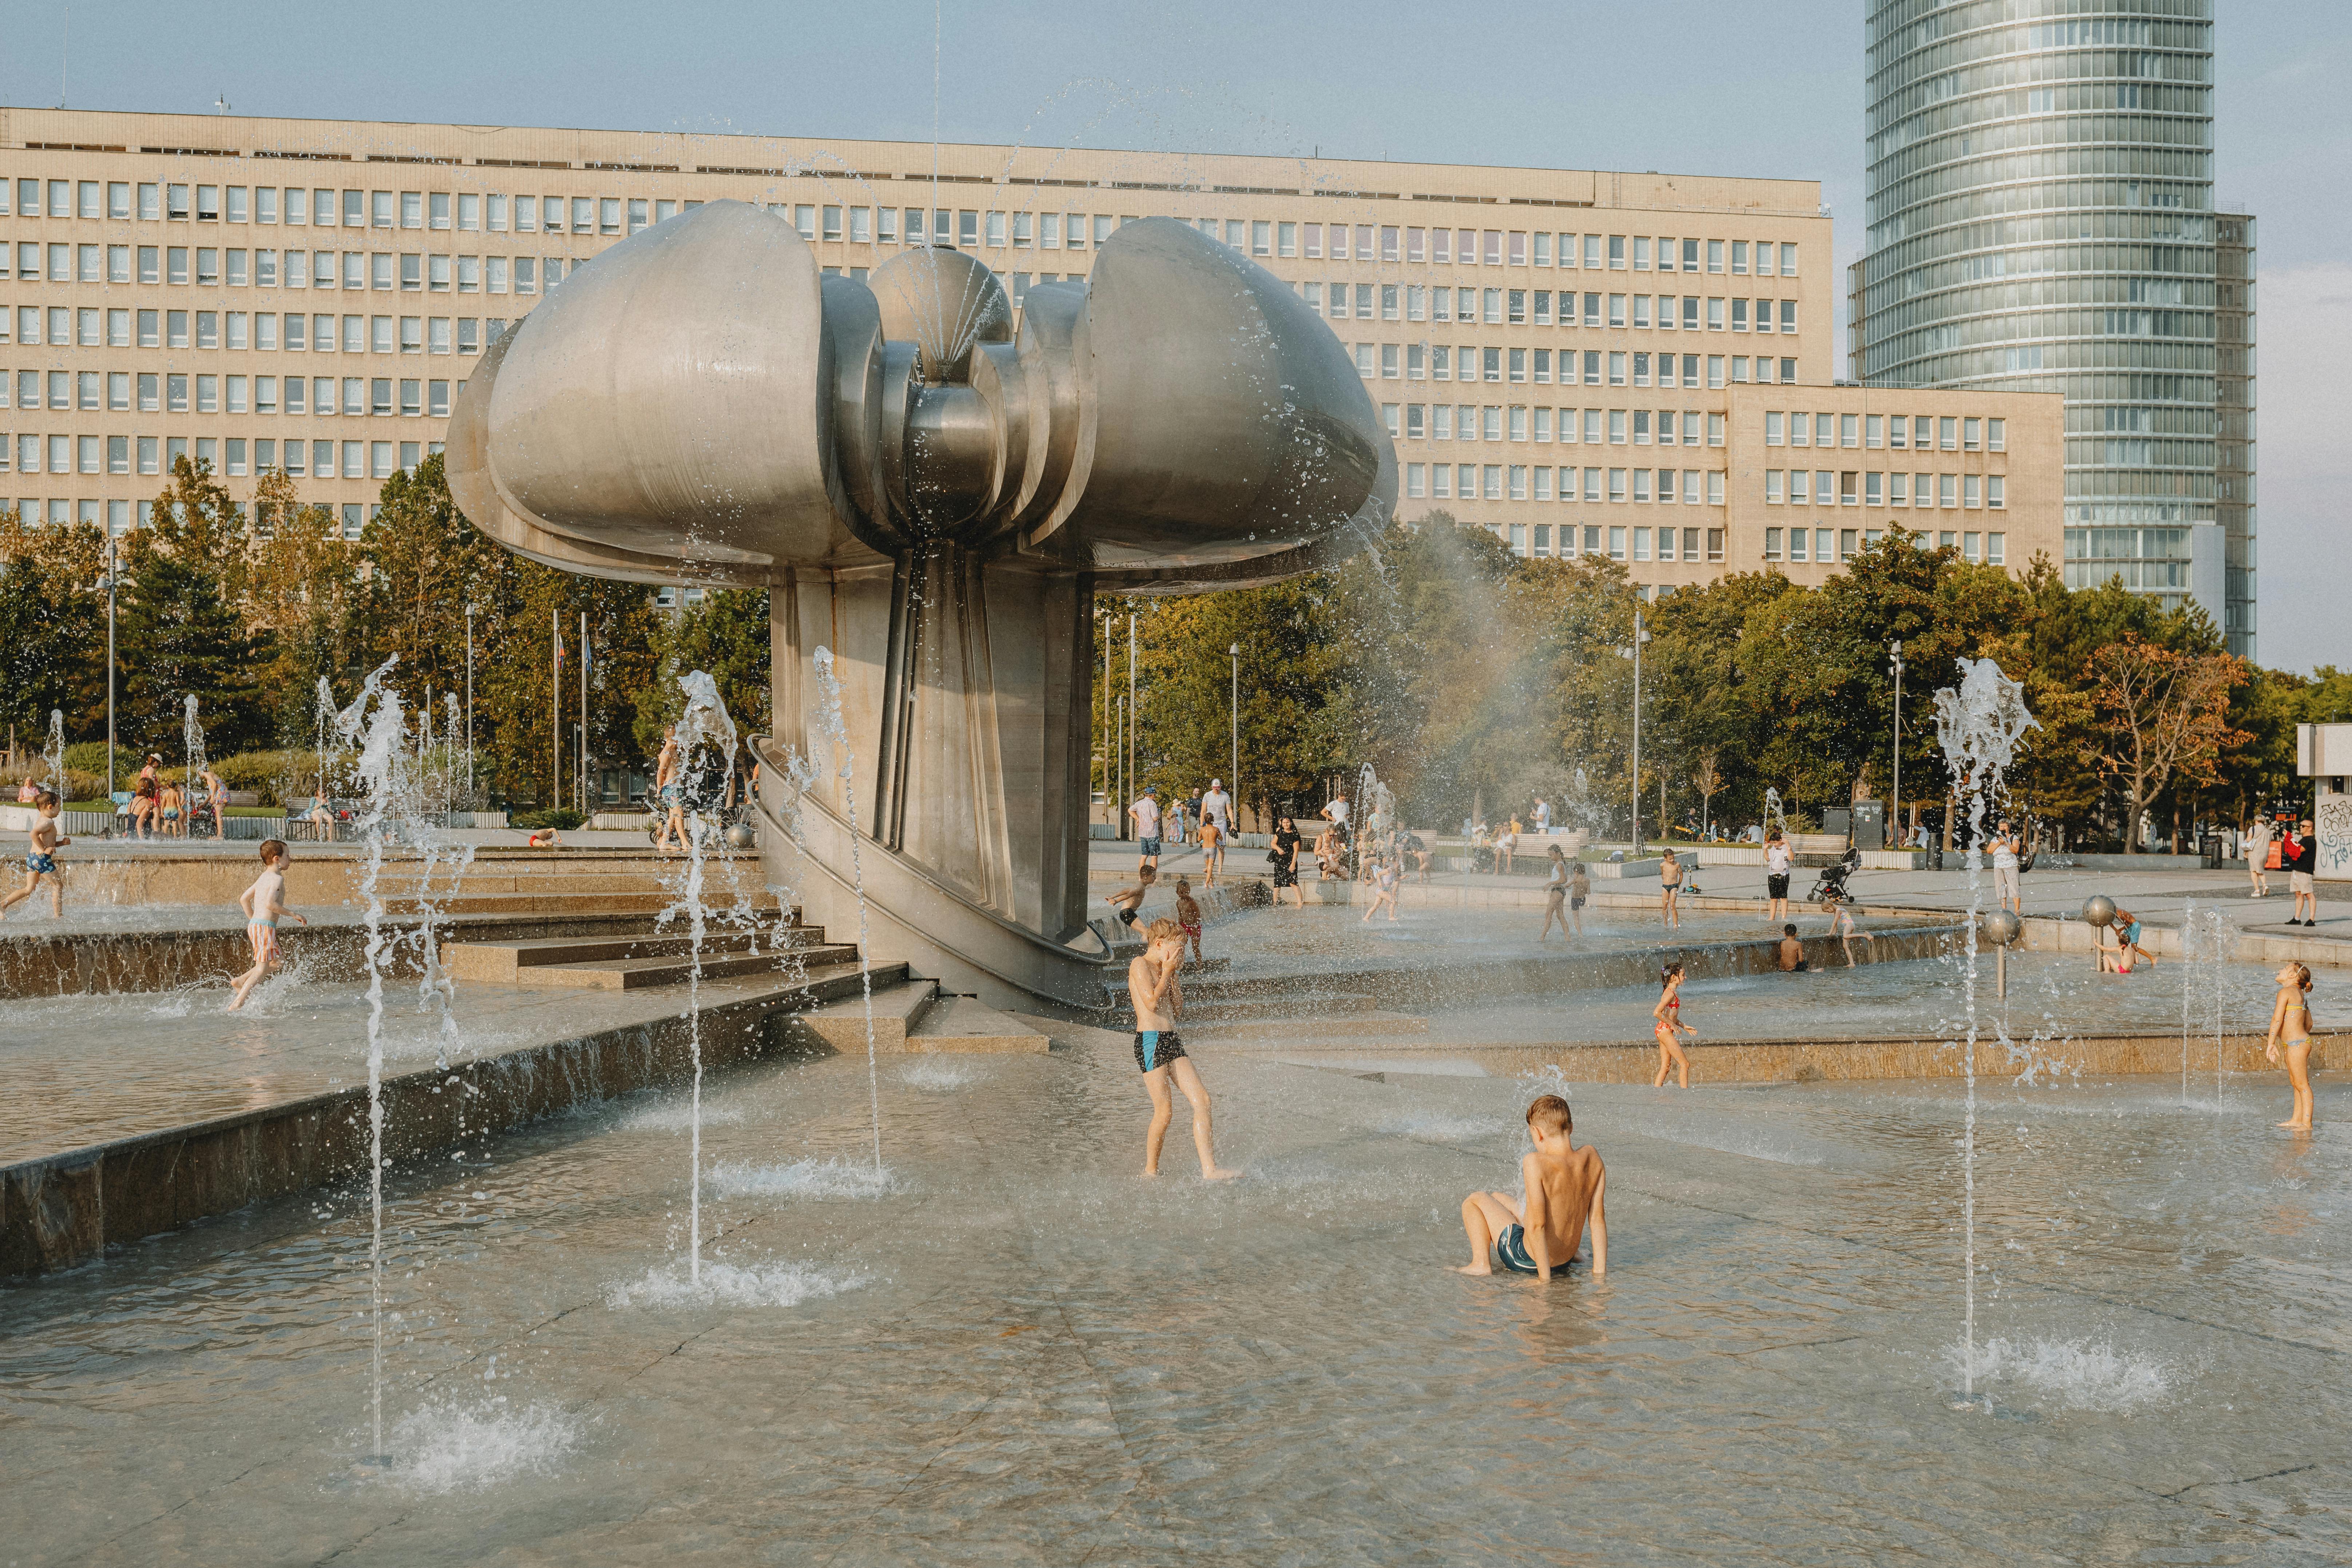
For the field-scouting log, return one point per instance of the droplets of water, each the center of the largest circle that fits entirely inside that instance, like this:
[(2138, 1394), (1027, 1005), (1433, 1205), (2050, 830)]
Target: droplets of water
[(449, 1446), (704, 727), (2076, 1374), (803, 1179), (732, 1285), (835, 734)]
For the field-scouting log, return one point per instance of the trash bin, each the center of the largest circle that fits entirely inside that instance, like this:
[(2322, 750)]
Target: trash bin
[(2209, 848)]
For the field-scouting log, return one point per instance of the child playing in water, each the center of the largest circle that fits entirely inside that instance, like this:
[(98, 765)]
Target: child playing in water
[(1670, 886), (2119, 957), (1668, 1015), (1213, 850), (42, 842), (1126, 900), (263, 910), (1842, 926), (1565, 1186), (543, 838), (1788, 953), (1555, 896), (1579, 890), (1385, 878), (1152, 989), (1188, 914), (2291, 1029)]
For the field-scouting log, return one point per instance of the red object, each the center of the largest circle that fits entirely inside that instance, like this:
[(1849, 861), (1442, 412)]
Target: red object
[(2271, 860)]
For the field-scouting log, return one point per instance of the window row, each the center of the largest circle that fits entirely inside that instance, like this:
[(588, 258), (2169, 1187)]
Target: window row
[(1918, 432), (88, 327), (1516, 422), (1512, 481), (410, 271), (118, 515), (1618, 541), (1827, 487), (171, 392), (1526, 307), (1496, 247), (235, 454), (318, 207), (1822, 546), (1444, 361)]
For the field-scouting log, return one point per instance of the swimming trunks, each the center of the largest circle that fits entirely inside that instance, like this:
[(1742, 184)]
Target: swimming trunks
[(1127, 917), (1777, 887), (1511, 1252), (1156, 1049), (1577, 902), (263, 934), (1194, 930), (39, 864)]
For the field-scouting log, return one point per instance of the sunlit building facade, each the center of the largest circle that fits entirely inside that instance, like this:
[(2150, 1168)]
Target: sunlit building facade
[(2042, 217), (1634, 367)]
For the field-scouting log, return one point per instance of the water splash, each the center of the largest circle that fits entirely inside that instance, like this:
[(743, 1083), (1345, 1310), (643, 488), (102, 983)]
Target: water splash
[(1977, 724), (837, 735), (373, 722), (2077, 1374), (56, 754), (192, 739), (729, 1285), (704, 726), (450, 1448), (803, 1179)]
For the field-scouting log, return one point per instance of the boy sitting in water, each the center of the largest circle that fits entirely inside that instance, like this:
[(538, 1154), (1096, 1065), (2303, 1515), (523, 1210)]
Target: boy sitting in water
[(1789, 955), (1564, 1185), (1153, 987)]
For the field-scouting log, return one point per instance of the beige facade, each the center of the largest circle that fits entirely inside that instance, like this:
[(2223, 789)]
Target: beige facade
[(310, 294)]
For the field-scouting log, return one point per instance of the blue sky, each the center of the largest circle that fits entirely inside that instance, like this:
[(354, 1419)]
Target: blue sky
[(1733, 88)]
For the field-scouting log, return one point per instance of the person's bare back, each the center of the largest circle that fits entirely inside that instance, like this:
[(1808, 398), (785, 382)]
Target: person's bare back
[(1565, 1186)]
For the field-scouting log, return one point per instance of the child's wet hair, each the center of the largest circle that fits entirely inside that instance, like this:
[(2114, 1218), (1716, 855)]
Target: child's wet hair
[(1672, 971), (1162, 930), (273, 849), (1183, 886), (46, 800), (1148, 873), (1787, 931), (1550, 1113), (2302, 975)]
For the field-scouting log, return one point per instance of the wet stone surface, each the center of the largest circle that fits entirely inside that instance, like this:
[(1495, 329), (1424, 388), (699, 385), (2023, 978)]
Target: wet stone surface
[(1010, 1349)]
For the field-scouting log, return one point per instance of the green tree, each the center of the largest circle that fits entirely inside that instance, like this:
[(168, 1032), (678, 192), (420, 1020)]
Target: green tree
[(52, 630), (181, 629)]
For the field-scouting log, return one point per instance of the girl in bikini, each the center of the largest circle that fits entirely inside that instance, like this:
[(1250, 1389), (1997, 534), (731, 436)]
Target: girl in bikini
[(1668, 1015), (1555, 896), (2290, 1027)]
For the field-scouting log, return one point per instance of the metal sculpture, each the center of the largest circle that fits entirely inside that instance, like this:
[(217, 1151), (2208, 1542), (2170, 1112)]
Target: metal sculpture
[(937, 497)]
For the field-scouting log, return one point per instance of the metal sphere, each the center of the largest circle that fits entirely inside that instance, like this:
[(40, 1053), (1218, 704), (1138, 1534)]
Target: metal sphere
[(2099, 909), (2002, 927), (740, 837)]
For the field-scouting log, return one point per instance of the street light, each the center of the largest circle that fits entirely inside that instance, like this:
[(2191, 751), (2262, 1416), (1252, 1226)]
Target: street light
[(1641, 636), (110, 574), (1894, 802), (469, 707), (1235, 651)]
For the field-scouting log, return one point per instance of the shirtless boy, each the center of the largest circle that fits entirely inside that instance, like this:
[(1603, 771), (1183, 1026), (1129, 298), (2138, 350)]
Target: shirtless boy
[(1789, 954), (1213, 850), (1126, 900), (263, 909), (1153, 987), (1188, 915), (42, 842), (1565, 1184)]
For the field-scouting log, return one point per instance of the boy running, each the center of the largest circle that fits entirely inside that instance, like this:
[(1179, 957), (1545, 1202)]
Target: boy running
[(1153, 987), (263, 909), (42, 842), (1565, 1186), (1126, 900)]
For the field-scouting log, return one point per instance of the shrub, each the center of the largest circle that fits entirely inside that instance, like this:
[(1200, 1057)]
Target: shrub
[(562, 819)]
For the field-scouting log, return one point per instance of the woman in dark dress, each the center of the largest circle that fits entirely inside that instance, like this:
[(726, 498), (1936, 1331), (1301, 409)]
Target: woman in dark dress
[(1284, 857)]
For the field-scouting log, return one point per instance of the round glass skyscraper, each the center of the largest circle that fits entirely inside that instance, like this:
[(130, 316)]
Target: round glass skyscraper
[(2041, 219)]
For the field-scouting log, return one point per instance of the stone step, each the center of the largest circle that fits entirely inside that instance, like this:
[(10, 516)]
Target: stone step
[(675, 969), (552, 903), (962, 1023), (500, 962), (1303, 1008), (899, 1004), (1303, 1031)]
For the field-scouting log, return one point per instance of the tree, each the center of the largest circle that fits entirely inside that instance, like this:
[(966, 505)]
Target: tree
[(725, 632), (182, 630), (303, 582), (52, 629), (2164, 713)]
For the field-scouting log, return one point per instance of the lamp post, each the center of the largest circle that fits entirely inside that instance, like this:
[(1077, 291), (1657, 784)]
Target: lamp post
[(1641, 636), (1235, 651), (1894, 801), (469, 705), (111, 573), (1134, 711)]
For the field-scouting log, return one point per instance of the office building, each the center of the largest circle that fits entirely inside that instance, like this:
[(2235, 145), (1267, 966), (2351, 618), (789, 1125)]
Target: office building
[(1590, 363), (2042, 218)]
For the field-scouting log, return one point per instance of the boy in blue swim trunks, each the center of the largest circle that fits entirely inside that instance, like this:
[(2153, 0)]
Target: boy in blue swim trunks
[(1565, 1184), (42, 842), (1160, 1056)]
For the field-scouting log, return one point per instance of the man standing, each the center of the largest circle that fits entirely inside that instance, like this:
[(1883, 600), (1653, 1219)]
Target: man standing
[(1543, 817), (1776, 861), (1217, 807), (1146, 813), (2301, 860)]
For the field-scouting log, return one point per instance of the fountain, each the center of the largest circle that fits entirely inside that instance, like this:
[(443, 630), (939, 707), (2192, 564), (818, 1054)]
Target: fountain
[(192, 739), (56, 754), (1977, 724), (836, 738), (891, 460), (704, 723)]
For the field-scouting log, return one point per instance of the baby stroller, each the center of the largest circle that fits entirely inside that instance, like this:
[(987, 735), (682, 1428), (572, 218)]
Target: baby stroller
[(1829, 887)]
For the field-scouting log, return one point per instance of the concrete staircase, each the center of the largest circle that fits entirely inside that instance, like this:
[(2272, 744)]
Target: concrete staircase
[(513, 881), (908, 1014)]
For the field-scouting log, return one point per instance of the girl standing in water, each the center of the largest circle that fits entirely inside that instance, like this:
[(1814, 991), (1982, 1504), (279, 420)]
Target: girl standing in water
[(2290, 1027), (1668, 1015)]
